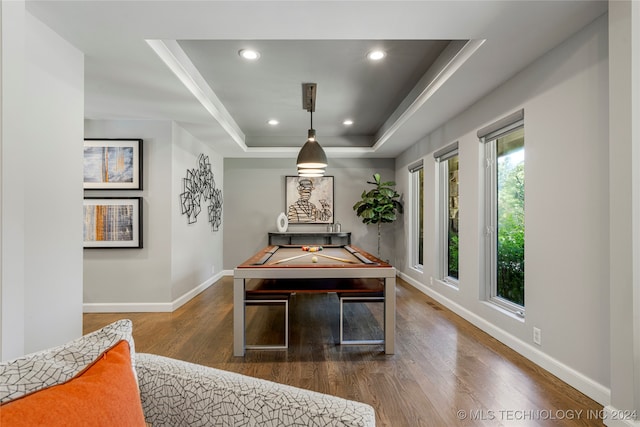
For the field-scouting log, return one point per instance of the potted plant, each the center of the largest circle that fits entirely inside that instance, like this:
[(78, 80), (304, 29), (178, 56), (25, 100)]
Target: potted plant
[(379, 205)]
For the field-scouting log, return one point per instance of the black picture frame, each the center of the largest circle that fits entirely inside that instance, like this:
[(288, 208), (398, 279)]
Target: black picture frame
[(112, 164), (112, 222)]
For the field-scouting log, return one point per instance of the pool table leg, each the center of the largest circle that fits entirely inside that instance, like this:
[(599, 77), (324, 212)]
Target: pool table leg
[(389, 315), (238, 317)]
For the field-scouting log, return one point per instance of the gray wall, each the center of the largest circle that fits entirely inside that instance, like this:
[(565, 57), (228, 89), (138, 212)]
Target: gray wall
[(565, 98), (136, 275), (178, 259), (254, 196), (196, 250)]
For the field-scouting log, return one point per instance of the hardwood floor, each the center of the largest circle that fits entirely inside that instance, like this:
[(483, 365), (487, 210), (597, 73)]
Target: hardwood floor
[(445, 372)]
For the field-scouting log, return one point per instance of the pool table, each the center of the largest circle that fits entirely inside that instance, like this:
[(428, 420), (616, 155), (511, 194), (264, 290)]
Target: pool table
[(332, 262)]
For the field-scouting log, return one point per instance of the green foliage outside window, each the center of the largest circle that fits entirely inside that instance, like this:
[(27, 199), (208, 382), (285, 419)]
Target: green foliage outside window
[(453, 255), (510, 260)]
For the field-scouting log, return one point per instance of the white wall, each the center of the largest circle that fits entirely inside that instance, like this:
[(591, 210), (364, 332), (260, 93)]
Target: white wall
[(1, 138), (254, 196), (13, 66), (43, 105), (196, 250), (624, 181), (53, 170), (565, 98)]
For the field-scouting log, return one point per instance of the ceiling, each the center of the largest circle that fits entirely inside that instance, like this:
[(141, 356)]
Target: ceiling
[(178, 60)]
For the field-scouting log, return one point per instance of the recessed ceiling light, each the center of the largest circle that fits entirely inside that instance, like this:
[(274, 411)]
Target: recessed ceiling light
[(249, 54), (376, 55), (273, 122), (348, 122)]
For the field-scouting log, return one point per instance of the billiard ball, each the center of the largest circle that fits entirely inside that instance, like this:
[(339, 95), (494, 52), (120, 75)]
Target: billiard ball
[(314, 259)]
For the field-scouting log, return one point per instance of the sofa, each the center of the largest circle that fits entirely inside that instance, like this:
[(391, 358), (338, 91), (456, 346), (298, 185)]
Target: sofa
[(99, 380)]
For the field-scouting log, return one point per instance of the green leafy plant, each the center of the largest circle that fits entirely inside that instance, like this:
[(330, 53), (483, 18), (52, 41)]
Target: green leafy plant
[(379, 205)]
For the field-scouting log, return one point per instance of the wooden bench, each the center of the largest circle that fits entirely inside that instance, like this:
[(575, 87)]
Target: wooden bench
[(275, 286), (347, 290), (258, 297), (365, 291)]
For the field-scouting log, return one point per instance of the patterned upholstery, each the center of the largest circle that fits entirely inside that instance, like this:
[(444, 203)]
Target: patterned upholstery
[(57, 365), (176, 393)]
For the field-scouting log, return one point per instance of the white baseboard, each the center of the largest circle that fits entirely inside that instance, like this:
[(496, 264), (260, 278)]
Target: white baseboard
[(179, 302), (584, 384), (127, 307), (614, 417), (166, 307)]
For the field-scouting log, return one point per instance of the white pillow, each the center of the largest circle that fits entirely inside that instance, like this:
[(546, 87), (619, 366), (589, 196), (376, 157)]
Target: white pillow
[(59, 364)]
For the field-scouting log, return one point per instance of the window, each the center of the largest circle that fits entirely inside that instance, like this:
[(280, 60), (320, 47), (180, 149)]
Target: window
[(447, 160), (417, 215), (504, 212)]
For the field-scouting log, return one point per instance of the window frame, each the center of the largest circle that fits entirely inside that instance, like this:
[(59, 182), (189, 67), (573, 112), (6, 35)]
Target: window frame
[(500, 129), (442, 158), (417, 209)]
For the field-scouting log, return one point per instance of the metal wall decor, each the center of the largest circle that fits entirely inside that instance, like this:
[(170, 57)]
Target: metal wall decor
[(199, 184)]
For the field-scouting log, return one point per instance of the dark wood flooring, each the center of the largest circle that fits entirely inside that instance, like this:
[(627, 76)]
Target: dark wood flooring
[(445, 372)]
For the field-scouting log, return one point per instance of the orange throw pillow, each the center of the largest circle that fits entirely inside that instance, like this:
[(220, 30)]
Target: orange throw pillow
[(103, 394)]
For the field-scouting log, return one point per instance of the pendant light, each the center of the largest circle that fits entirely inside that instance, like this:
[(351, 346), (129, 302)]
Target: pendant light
[(311, 159)]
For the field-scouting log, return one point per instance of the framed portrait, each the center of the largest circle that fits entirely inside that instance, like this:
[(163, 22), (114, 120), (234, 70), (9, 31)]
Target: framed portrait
[(112, 164), (112, 222), (309, 200)]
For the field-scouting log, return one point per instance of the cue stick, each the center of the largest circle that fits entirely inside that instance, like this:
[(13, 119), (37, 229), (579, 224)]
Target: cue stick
[(336, 258), (291, 258)]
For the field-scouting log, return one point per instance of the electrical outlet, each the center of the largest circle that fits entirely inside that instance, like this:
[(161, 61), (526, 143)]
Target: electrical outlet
[(431, 280), (213, 269), (537, 336)]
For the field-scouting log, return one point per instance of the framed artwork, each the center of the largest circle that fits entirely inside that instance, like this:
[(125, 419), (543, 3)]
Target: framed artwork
[(112, 222), (309, 200), (112, 164)]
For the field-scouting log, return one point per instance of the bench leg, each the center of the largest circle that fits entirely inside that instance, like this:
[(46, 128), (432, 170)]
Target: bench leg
[(390, 315), (238, 317), (285, 303)]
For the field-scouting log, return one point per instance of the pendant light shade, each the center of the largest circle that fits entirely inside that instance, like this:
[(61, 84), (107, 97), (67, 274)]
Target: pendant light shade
[(311, 155), (311, 159)]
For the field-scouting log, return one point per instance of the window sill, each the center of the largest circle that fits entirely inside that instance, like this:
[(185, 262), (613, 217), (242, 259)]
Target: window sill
[(509, 313), (448, 283), (417, 269)]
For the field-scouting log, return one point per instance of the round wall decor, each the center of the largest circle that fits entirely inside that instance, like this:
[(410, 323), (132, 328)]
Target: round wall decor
[(283, 222)]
